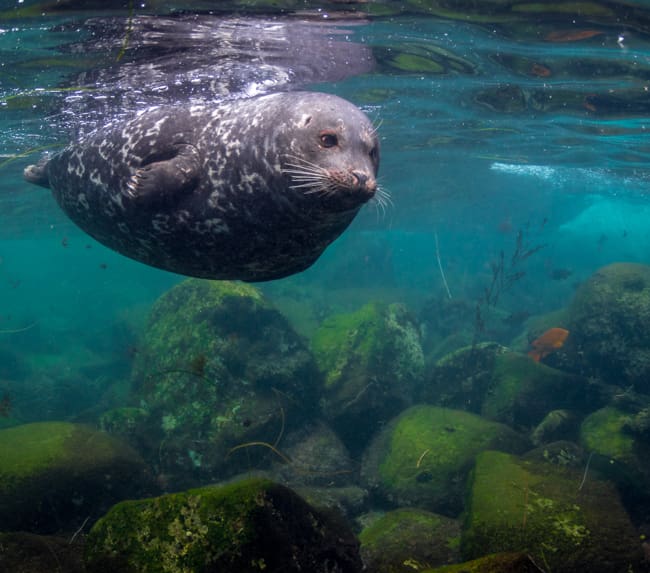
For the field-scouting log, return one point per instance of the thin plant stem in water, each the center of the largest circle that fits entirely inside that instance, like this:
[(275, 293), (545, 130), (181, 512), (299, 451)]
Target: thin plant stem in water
[(584, 476), (442, 272)]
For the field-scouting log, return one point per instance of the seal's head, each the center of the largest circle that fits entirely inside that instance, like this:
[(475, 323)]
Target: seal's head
[(333, 152)]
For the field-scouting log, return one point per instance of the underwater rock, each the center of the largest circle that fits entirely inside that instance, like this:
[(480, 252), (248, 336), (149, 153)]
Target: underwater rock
[(562, 453), (371, 360), (461, 379), (129, 424), (124, 421), (349, 501), (497, 563), (505, 386), (30, 553), (609, 321), (220, 367), (406, 539), (53, 475), (522, 391), (316, 457), (618, 454), (556, 425), (422, 457), (446, 324), (544, 510), (245, 527)]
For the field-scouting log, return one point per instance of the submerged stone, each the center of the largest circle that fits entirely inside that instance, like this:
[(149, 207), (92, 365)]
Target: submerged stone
[(245, 527), (406, 539), (53, 475), (522, 392), (422, 457), (547, 512), (497, 563), (619, 455), (609, 320), (505, 386), (219, 367), (371, 361)]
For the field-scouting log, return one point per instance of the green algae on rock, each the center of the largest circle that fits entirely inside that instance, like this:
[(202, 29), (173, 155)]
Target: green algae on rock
[(371, 360), (523, 391), (556, 425), (609, 320), (244, 527), (540, 509), (422, 457), (409, 538), (219, 366), (504, 386), (55, 474), (618, 454)]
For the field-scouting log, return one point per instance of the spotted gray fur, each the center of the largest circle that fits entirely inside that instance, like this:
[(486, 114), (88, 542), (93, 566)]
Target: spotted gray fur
[(207, 191)]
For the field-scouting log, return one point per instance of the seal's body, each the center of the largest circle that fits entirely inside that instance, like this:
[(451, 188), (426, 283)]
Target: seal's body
[(249, 189)]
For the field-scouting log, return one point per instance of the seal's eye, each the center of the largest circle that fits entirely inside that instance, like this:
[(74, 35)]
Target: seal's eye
[(374, 154), (328, 140)]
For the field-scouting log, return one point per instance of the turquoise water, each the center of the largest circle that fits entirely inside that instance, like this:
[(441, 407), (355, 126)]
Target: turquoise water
[(500, 122)]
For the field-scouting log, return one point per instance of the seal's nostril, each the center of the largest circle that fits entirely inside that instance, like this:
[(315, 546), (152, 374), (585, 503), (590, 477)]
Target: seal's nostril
[(360, 177)]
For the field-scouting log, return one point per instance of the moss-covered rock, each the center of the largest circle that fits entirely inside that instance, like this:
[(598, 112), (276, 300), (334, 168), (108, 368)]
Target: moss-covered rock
[(618, 454), (53, 475), (542, 510), (462, 378), (505, 386), (219, 366), (522, 391), (247, 527), (609, 321), (406, 539), (371, 360), (497, 563), (556, 425), (423, 456)]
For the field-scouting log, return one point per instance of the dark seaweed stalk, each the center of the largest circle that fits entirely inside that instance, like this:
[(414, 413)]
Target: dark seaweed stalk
[(505, 274)]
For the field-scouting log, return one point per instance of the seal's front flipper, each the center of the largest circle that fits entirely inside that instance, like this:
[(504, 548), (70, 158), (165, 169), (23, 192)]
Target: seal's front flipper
[(161, 176), (37, 174)]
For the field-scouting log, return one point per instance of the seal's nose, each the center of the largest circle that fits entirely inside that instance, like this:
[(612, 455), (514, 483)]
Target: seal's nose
[(365, 181), (360, 177)]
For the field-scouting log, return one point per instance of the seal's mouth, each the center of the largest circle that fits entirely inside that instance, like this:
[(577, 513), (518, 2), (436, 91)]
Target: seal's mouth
[(349, 186)]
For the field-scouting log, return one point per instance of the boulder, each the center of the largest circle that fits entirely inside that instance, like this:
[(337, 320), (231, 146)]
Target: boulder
[(54, 475), (371, 361), (549, 513), (423, 456), (244, 527), (219, 367), (409, 538)]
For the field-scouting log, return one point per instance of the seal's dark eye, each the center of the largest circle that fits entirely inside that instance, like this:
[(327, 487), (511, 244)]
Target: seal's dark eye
[(374, 154), (328, 140)]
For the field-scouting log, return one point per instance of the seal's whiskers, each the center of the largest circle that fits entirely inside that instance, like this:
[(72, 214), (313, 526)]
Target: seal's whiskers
[(382, 201), (307, 175)]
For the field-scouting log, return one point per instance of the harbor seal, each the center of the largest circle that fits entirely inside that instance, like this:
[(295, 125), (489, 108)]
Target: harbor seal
[(252, 189)]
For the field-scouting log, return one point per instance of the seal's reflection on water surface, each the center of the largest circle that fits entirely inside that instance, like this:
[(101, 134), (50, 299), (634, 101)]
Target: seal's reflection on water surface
[(152, 60)]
